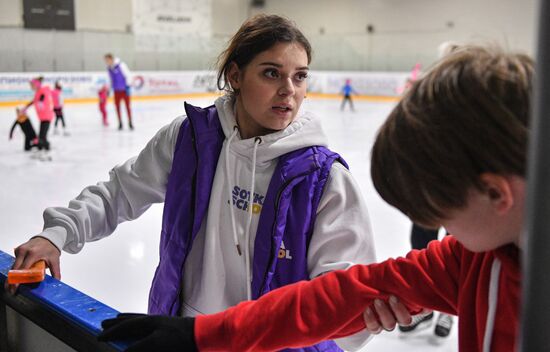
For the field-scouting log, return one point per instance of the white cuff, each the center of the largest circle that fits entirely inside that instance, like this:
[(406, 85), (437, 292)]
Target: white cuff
[(56, 235)]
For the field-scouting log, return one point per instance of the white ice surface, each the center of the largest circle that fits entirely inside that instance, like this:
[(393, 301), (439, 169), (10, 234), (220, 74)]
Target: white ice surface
[(118, 270)]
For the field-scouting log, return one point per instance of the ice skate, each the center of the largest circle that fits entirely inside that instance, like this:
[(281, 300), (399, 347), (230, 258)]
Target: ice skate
[(44, 155), (443, 325), (419, 322), (35, 154)]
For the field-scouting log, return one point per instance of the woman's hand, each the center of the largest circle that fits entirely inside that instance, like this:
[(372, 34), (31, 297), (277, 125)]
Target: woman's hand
[(37, 248)]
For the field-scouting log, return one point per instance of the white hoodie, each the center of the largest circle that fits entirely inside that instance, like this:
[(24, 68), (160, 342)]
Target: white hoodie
[(216, 276)]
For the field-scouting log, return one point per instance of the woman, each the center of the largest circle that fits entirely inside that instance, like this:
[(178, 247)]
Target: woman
[(253, 198)]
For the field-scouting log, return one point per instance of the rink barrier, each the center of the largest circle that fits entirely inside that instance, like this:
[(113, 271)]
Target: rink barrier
[(371, 98), (58, 309)]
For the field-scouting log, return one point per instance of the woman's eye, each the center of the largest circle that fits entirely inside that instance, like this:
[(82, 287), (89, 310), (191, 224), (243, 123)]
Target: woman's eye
[(301, 76), (271, 73)]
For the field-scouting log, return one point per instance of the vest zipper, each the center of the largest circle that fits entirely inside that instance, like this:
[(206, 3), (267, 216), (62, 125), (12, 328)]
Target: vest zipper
[(277, 200)]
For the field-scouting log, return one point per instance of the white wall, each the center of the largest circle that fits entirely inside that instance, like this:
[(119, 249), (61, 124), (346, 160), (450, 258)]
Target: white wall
[(227, 16), (103, 15), (405, 32), (11, 13)]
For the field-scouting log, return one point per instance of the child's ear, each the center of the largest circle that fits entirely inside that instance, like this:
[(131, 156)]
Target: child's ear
[(499, 190), (233, 74)]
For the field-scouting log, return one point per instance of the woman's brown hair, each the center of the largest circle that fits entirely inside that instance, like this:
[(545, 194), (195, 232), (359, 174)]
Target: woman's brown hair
[(256, 35), (468, 115)]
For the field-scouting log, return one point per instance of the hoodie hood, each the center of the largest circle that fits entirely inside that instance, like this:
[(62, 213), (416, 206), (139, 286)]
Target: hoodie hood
[(304, 131)]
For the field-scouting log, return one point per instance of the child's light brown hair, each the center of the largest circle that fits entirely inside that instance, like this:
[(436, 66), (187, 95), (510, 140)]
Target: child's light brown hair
[(468, 115)]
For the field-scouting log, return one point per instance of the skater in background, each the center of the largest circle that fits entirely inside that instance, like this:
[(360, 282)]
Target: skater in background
[(253, 198), (58, 108), (24, 122), (415, 74), (120, 84), (471, 111), (43, 104), (103, 94), (347, 91)]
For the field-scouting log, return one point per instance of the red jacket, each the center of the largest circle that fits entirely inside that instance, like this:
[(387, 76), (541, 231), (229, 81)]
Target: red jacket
[(444, 277)]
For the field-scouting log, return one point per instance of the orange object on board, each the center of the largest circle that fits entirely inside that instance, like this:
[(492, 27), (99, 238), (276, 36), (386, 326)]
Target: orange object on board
[(35, 273)]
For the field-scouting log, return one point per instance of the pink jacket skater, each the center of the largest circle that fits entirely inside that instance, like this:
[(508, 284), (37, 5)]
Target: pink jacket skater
[(43, 102)]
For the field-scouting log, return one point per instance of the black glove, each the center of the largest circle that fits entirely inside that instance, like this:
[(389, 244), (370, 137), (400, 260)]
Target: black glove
[(151, 332)]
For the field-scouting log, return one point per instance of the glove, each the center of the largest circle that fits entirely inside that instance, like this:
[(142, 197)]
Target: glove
[(151, 332)]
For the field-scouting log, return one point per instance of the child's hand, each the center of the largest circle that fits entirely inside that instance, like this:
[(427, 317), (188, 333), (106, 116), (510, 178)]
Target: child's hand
[(37, 248), (387, 316)]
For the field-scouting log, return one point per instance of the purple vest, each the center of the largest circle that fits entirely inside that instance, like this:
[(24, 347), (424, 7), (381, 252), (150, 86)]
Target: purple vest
[(118, 81), (288, 212)]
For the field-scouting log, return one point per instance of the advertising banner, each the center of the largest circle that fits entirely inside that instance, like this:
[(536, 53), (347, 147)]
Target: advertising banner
[(16, 87)]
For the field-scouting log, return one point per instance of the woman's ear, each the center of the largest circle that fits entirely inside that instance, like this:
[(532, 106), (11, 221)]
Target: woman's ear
[(234, 75), (499, 190)]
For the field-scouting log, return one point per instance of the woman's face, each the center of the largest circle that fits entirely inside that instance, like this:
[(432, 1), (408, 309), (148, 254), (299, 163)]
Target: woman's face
[(271, 89)]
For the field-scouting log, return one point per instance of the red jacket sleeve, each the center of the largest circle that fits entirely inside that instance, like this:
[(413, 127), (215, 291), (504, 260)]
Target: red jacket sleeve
[(331, 306)]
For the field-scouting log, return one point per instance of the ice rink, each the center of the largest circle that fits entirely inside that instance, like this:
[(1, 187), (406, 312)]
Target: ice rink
[(118, 270)]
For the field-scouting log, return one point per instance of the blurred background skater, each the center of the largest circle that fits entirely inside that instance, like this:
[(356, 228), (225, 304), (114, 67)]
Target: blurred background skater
[(347, 91), (420, 237), (43, 104), (24, 122), (120, 83), (58, 108), (415, 74), (103, 94)]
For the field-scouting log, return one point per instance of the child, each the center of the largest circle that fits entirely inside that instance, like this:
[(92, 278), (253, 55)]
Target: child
[(103, 95), (58, 108), (347, 91), (253, 198), (43, 103), (26, 126), (471, 113)]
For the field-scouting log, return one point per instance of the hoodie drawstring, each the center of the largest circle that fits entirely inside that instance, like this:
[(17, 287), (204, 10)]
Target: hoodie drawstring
[(257, 142), (231, 211)]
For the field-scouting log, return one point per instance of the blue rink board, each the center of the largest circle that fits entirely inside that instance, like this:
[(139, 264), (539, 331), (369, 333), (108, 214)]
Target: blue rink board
[(73, 305)]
